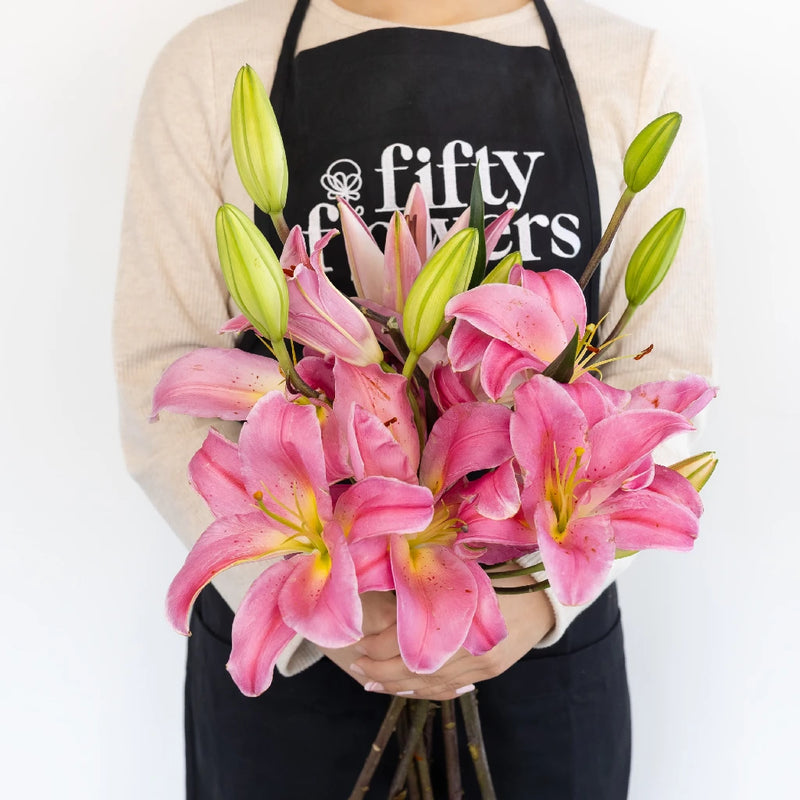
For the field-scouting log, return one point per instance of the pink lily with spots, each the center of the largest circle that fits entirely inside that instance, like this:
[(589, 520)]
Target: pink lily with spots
[(272, 500)]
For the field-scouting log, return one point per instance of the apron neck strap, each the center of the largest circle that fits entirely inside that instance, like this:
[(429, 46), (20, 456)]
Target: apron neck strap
[(281, 80)]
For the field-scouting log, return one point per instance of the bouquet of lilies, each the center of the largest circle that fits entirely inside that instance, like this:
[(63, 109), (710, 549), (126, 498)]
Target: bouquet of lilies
[(447, 420)]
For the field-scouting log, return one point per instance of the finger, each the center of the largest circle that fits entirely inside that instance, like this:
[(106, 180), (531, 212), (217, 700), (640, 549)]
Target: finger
[(380, 647)]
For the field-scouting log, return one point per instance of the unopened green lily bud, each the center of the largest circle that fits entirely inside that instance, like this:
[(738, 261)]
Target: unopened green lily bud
[(697, 469), (257, 143), (501, 271), (649, 149), (653, 256), (252, 272), (446, 274)]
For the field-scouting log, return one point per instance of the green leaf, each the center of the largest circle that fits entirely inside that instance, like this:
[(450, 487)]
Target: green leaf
[(562, 368), (477, 220)]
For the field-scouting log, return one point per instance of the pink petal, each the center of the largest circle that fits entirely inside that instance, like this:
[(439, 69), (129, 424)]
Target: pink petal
[(216, 382), (281, 451), (620, 441), (402, 263), (645, 519), (365, 257), (466, 438), (495, 229), (562, 293), (383, 395), (596, 399), (578, 564), (546, 424), (516, 316), (416, 212), (215, 472), (436, 601), (223, 544), (320, 597), (373, 449), (497, 492), (294, 251), (488, 627), (482, 531), (259, 633), (237, 325), (379, 506), (372, 564), (466, 346), (449, 388), (502, 363), (687, 397), (321, 317)]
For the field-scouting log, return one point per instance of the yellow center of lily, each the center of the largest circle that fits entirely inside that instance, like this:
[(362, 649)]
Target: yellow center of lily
[(303, 518), (560, 490), (443, 529)]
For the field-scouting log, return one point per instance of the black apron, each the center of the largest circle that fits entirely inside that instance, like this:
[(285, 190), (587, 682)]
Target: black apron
[(365, 118)]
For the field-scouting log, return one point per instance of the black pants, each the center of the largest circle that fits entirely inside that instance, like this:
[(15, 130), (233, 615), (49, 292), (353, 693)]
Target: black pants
[(556, 725)]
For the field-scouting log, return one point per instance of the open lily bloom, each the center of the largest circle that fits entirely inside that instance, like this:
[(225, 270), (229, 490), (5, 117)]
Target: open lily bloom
[(510, 328), (271, 499), (591, 488), (444, 598)]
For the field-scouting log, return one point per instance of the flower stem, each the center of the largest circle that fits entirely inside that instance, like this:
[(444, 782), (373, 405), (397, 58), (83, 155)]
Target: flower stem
[(376, 751), (472, 722), (452, 766), (287, 365), (608, 237), (517, 573), (622, 323), (533, 587), (281, 228), (419, 717)]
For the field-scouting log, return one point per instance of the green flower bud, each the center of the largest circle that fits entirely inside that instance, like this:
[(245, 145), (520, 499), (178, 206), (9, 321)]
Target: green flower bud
[(697, 469), (252, 272), (257, 143), (446, 274), (649, 149), (653, 257), (501, 271)]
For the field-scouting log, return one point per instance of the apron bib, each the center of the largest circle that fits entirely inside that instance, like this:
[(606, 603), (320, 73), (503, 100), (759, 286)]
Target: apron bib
[(365, 118)]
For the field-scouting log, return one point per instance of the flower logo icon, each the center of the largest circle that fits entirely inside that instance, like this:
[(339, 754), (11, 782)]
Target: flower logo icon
[(343, 179)]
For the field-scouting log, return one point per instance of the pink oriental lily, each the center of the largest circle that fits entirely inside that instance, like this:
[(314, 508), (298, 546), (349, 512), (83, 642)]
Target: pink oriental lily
[(513, 327), (444, 598), (319, 314), (271, 499), (591, 488)]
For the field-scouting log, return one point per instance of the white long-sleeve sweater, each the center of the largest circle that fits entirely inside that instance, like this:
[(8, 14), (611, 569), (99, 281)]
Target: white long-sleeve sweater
[(171, 297)]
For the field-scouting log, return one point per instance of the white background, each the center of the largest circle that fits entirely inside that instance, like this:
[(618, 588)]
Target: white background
[(91, 675)]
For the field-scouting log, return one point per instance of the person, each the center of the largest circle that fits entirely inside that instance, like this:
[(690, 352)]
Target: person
[(373, 96)]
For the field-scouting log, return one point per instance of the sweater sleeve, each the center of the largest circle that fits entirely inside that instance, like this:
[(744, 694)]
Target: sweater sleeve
[(170, 295), (678, 319)]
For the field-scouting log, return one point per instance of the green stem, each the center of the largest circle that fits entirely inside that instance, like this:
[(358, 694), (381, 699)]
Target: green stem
[(287, 365), (376, 751), (452, 765), (418, 720), (608, 236), (533, 587), (279, 223), (517, 573), (622, 323), (410, 365), (472, 722)]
